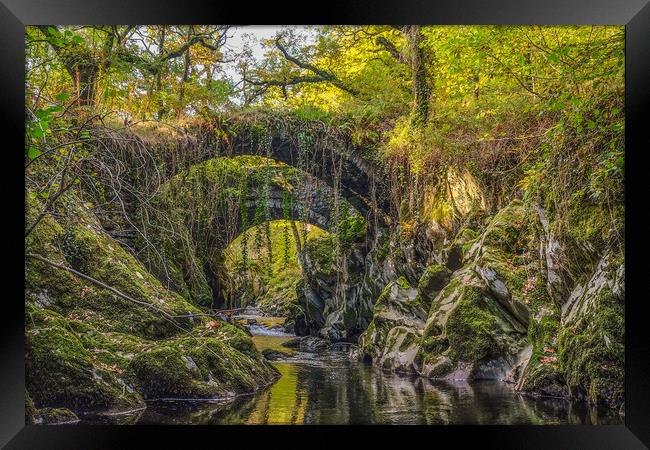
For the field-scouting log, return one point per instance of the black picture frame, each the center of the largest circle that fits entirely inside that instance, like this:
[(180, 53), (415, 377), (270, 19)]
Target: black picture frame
[(634, 14)]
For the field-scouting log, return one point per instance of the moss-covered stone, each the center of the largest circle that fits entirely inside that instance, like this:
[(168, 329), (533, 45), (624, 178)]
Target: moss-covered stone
[(55, 416), (471, 329), (434, 278), (403, 282), (320, 253), (398, 316), (592, 353), (183, 369), (504, 230), (352, 229), (83, 342), (60, 371)]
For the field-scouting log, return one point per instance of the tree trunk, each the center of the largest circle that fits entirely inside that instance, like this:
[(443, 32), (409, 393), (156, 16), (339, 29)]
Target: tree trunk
[(421, 88), (161, 48), (186, 77), (83, 68)]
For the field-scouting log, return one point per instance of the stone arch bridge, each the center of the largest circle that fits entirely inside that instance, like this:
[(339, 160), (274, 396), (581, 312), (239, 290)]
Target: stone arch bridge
[(324, 155)]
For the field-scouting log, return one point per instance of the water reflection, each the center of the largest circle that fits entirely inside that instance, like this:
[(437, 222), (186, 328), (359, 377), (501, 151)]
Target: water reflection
[(330, 389)]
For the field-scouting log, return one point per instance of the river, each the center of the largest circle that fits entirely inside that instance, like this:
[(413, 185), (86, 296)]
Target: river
[(330, 388)]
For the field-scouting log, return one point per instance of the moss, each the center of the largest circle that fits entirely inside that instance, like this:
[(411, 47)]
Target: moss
[(409, 339), (592, 354), (592, 223), (321, 253), (183, 369), (434, 278), (239, 340), (505, 229), (543, 334), (470, 329), (383, 297), (382, 249), (163, 373), (352, 229), (60, 371), (94, 253), (542, 375), (48, 416), (443, 366), (403, 283), (431, 329), (459, 248), (30, 409), (466, 236), (84, 343), (454, 285), (544, 380), (435, 344)]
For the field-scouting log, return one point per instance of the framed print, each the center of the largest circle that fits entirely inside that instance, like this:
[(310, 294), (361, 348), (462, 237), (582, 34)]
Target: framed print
[(416, 217)]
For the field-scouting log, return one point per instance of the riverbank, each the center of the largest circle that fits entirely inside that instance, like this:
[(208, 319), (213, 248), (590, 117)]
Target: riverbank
[(329, 387)]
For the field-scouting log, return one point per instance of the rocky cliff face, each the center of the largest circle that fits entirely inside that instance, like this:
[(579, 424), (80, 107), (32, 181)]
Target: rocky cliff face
[(495, 300)]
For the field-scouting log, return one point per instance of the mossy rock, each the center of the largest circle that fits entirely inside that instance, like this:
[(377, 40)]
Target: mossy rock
[(209, 368), (60, 371), (399, 350), (54, 416), (542, 379), (321, 251), (83, 342), (434, 278), (352, 229), (163, 372), (467, 331), (97, 255), (460, 247), (471, 329), (505, 228), (592, 353), (239, 340)]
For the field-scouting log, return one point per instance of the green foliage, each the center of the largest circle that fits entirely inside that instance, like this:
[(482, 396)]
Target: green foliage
[(270, 283)]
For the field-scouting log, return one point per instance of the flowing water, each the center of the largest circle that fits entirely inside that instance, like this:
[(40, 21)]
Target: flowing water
[(330, 388)]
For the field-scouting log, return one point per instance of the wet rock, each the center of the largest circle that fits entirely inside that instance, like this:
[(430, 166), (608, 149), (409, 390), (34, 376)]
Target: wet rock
[(592, 335), (55, 416), (434, 278), (274, 355), (392, 338), (309, 344)]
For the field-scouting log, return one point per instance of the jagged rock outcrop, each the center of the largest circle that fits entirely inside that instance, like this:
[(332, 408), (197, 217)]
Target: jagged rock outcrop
[(336, 296), (592, 335), (391, 339), (496, 310)]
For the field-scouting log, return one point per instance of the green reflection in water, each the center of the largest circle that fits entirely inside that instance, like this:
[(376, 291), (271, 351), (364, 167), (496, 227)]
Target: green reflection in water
[(330, 389), (284, 403)]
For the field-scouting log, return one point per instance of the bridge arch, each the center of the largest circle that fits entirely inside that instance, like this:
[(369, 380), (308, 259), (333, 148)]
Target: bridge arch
[(324, 152), (254, 191)]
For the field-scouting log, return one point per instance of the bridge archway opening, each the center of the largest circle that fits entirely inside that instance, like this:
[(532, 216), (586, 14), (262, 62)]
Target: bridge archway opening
[(264, 267), (220, 200)]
